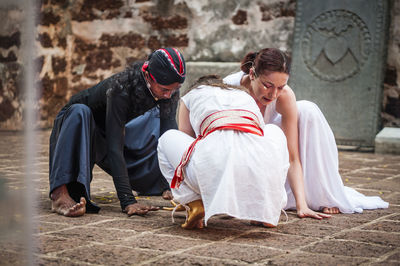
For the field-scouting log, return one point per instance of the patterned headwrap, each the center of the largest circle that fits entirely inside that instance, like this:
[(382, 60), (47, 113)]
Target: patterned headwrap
[(166, 66)]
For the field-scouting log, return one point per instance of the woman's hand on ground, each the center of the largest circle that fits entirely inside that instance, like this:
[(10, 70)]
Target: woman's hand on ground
[(139, 209), (307, 212)]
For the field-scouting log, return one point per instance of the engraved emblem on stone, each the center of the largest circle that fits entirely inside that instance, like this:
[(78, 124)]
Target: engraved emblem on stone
[(336, 45)]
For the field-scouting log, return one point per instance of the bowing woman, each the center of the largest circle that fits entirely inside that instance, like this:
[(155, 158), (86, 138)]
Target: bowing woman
[(314, 188), (91, 127), (224, 159)]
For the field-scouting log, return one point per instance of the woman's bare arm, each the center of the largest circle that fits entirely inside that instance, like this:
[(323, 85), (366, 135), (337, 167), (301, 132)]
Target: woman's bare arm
[(184, 120), (286, 106)]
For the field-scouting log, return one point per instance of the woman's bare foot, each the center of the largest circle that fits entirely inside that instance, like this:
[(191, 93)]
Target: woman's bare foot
[(63, 204), (333, 210), (262, 224), (307, 212), (167, 195)]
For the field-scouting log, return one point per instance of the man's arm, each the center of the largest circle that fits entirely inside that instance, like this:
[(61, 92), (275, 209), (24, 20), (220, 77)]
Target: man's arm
[(168, 113), (117, 107)]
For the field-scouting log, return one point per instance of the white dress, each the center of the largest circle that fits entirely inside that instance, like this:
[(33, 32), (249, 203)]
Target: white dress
[(235, 173), (322, 182)]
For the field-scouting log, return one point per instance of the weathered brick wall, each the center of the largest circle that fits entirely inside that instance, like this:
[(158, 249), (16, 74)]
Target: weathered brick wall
[(11, 87), (83, 42), (80, 42)]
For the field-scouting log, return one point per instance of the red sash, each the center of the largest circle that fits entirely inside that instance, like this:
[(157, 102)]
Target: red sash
[(236, 119)]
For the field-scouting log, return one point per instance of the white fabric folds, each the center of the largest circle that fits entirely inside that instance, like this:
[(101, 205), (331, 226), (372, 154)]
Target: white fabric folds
[(319, 159), (235, 173)]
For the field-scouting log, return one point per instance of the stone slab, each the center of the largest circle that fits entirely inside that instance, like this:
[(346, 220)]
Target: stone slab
[(380, 238), (348, 248), (387, 226), (388, 141), (109, 255), (270, 239), (242, 253), (161, 242), (184, 260), (338, 62), (303, 258), (305, 229)]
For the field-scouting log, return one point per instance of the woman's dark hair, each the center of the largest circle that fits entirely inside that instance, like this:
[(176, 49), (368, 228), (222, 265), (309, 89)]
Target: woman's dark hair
[(215, 81), (267, 59)]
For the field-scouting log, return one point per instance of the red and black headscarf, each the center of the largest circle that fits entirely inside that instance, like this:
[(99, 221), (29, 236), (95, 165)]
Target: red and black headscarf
[(166, 66)]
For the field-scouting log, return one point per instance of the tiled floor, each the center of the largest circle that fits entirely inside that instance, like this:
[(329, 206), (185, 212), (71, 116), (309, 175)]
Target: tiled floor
[(112, 238)]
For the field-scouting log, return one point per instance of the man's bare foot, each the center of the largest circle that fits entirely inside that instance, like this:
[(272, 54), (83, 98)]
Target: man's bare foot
[(256, 223), (167, 195), (63, 204), (333, 210)]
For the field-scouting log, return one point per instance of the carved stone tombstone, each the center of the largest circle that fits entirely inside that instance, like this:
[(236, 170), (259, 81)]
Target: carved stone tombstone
[(338, 63)]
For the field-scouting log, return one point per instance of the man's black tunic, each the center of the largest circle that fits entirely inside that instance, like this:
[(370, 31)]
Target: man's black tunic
[(115, 101)]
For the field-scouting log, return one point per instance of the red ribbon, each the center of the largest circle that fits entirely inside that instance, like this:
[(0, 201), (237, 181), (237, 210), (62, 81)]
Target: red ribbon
[(218, 121)]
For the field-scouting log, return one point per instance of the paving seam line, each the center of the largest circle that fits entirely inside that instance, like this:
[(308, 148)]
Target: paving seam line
[(373, 221), (393, 177), (328, 237), (139, 234), (377, 231), (50, 255), (47, 215), (359, 227), (387, 255), (89, 245), (358, 242), (169, 253), (190, 248), (265, 261), (66, 259), (375, 190), (252, 246), (69, 228)]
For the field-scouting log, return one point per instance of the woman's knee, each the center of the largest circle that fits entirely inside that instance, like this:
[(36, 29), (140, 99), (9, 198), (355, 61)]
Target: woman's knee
[(172, 144), (165, 139), (167, 136)]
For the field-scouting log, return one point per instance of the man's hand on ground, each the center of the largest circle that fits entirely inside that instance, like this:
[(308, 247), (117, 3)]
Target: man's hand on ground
[(139, 209)]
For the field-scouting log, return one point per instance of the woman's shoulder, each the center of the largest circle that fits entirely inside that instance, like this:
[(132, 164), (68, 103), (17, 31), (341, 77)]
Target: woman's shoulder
[(195, 92), (234, 79), (204, 93), (287, 92), (286, 100)]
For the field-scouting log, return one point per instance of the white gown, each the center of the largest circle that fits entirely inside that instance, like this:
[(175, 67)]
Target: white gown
[(322, 182), (235, 173)]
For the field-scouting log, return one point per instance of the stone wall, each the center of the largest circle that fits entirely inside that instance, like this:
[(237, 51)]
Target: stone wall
[(80, 42), (391, 99), (11, 87)]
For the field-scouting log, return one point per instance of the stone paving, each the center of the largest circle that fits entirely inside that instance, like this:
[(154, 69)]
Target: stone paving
[(112, 238)]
